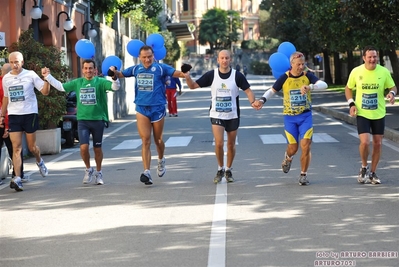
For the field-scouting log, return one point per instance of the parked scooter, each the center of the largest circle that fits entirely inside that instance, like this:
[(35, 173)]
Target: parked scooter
[(69, 123)]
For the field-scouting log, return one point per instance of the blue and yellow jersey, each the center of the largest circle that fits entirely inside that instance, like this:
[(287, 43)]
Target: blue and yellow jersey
[(293, 102)]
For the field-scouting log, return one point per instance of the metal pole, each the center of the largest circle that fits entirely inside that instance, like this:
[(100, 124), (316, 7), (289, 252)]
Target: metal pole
[(35, 24)]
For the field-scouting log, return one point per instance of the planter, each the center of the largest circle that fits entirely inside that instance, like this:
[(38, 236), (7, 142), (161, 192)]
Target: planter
[(49, 141)]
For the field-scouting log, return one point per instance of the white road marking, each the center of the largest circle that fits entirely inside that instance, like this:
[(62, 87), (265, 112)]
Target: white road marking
[(178, 141)]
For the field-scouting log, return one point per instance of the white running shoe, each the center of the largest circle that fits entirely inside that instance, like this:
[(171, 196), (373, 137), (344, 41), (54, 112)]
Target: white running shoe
[(99, 178), (42, 168), (361, 178), (145, 178), (373, 178), (161, 167), (88, 175)]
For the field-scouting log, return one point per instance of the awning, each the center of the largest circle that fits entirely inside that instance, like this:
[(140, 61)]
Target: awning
[(181, 30)]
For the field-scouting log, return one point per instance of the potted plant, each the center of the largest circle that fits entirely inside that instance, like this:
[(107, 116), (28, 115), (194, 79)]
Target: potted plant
[(52, 106)]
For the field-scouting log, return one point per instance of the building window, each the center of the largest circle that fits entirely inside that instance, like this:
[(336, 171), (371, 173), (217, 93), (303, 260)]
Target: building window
[(185, 5), (251, 33)]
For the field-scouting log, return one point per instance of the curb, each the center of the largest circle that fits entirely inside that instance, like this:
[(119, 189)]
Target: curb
[(389, 133)]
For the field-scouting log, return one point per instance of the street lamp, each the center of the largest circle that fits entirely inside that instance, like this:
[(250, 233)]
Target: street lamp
[(35, 13), (91, 32), (68, 24)]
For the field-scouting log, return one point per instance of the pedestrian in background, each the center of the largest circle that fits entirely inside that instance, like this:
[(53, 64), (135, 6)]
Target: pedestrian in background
[(92, 113), (21, 104), (150, 100), (225, 83), (370, 81), (171, 94), (296, 85)]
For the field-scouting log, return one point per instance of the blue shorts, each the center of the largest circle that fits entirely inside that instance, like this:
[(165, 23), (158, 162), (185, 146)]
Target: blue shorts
[(28, 123), (154, 113), (95, 128), (298, 127)]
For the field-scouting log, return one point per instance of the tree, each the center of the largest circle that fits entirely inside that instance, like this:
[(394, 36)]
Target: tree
[(218, 28), (110, 7)]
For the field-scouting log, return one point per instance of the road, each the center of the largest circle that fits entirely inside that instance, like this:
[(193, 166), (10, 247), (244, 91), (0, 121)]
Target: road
[(264, 218)]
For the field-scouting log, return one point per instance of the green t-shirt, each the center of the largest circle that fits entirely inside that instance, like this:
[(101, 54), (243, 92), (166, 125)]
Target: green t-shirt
[(370, 86), (91, 96)]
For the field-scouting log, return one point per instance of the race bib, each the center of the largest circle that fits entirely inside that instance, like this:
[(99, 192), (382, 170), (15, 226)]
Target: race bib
[(369, 101), (145, 82), (223, 101), (296, 99), (16, 93), (88, 96)]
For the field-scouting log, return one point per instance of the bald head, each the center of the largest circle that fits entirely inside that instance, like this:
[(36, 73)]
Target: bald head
[(6, 68)]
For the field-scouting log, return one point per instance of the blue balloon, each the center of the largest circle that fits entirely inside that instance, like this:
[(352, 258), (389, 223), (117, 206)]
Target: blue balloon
[(286, 48), (133, 47), (85, 49), (160, 54), (279, 62), (155, 40), (110, 61), (277, 74)]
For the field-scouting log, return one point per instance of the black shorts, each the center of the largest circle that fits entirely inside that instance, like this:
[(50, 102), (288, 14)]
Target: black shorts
[(370, 126), (28, 123), (229, 125)]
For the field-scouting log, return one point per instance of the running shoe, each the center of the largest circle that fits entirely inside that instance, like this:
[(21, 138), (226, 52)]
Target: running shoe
[(219, 176), (286, 164), (88, 175), (1, 181), (16, 184), (303, 179), (42, 168), (361, 179), (161, 167), (99, 178), (373, 178), (146, 178), (229, 176), (25, 179)]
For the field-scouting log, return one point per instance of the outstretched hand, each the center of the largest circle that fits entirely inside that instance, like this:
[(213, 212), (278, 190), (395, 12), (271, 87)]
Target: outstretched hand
[(186, 67)]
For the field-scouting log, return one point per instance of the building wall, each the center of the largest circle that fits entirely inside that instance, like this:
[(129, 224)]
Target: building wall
[(249, 13)]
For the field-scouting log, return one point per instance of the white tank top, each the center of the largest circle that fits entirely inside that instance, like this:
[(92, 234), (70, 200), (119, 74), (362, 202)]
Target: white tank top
[(224, 97)]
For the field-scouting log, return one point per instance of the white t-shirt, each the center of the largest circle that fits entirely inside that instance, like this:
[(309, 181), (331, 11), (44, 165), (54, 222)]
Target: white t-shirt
[(224, 97), (20, 90)]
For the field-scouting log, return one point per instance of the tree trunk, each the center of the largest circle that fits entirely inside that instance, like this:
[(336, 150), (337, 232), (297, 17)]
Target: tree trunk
[(337, 69), (327, 69), (395, 65)]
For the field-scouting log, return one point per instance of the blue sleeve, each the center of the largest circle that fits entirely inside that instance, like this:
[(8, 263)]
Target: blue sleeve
[(312, 78), (128, 72), (278, 85)]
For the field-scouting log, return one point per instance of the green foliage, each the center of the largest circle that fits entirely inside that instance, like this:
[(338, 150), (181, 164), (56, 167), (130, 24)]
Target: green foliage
[(264, 44), (142, 21), (36, 57), (172, 47), (218, 28), (260, 68), (110, 7), (150, 8)]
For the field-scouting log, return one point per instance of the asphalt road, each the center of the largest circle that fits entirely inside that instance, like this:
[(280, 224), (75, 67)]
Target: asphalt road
[(264, 218)]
